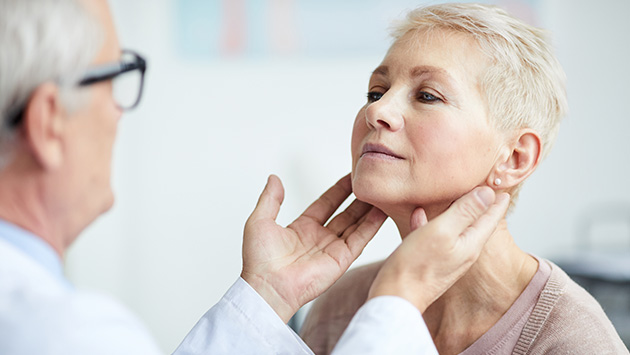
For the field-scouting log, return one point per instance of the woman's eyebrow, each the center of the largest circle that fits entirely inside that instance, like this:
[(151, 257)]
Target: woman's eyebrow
[(440, 73), (429, 69), (382, 70)]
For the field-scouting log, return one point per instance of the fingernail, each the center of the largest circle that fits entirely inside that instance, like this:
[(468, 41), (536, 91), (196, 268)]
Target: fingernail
[(503, 196), (486, 196)]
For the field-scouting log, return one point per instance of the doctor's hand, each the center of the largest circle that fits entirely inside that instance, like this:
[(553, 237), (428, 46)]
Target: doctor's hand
[(436, 254), (291, 266)]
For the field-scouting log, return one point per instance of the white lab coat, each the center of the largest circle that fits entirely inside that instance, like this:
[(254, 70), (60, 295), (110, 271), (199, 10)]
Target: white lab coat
[(42, 313)]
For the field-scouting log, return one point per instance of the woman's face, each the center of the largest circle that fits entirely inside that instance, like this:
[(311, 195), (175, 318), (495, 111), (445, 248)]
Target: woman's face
[(424, 138)]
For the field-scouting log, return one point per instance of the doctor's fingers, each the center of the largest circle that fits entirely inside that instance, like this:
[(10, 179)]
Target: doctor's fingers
[(357, 235), (464, 212), (351, 215), (476, 235), (270, 200), (418, 218)]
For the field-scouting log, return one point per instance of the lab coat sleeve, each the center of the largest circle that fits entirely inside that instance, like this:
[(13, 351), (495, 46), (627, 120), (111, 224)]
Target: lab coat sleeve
[(242, 323), (386, 325)]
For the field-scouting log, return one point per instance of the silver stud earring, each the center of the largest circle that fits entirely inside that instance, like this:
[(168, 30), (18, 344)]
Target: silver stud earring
[(497, 181)]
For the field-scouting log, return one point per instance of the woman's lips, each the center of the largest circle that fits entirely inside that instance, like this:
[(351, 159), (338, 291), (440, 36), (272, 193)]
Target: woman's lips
[(378, 151)]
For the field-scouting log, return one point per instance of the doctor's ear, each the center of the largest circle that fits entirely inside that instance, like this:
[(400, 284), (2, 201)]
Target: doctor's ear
[(519, 161), (43, 122)]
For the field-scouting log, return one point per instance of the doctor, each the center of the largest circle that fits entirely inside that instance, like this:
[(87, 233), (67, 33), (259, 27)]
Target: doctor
[(60, 67)]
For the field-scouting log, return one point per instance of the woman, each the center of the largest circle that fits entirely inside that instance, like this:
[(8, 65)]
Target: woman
[(466, 96)]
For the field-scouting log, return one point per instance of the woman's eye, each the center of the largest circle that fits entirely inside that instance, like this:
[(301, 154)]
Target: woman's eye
[(424, 96), (373, 96)]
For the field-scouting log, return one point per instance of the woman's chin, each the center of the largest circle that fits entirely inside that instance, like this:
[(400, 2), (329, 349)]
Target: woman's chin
[(365, 197), (373, 194)]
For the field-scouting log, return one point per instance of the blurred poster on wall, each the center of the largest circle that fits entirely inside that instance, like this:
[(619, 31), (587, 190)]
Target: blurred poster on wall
[(259, 28)]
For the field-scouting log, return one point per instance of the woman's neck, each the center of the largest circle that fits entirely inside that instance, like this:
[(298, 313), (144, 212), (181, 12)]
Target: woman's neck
[(401, 215), (480, 298)]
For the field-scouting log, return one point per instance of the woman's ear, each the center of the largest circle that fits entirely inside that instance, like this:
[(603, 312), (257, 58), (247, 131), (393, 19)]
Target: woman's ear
[(43, 122), (521, 159)]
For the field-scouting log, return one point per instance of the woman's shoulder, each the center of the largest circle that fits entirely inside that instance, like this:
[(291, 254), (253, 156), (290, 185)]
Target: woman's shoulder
[(575, 299), (358, 279), (349, 293), (330, 314), (568, 319)]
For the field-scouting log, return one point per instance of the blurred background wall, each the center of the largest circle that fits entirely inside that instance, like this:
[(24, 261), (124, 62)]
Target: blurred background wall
[(237, 90)]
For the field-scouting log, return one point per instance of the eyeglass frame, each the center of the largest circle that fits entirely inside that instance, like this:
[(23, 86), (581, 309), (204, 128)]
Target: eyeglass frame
[(101, 73)]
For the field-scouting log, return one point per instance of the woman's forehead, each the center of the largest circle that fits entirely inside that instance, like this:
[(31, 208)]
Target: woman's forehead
[(442, 51)]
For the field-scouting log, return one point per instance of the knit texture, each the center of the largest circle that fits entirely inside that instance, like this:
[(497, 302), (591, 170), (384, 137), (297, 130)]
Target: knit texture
[(565, 319)]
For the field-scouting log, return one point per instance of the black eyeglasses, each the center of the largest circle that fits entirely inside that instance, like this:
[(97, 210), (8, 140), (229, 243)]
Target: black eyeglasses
[(127, 77)]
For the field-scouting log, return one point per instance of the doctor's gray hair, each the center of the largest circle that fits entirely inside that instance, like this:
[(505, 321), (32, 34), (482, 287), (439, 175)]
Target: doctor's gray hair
[(524, 85), (42, 41)]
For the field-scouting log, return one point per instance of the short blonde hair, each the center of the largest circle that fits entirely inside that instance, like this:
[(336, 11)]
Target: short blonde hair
[(524, 85)]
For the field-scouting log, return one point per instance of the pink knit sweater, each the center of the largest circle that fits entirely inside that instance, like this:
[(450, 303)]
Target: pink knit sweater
[(565, 319)]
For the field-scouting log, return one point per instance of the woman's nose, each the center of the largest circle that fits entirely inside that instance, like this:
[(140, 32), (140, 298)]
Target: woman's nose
[(385, 113)]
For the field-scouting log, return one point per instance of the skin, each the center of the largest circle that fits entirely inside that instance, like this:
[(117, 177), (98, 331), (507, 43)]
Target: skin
[(59, 180), (291, 266), (424, 139), (58, 183), (455, 238), (432, 118)]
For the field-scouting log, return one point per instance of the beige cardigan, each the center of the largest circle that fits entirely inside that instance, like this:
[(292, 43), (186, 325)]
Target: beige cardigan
[(565, 320)]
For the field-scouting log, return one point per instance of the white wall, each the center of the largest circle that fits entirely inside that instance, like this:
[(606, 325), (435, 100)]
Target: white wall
[(191, 161), (589, 167)]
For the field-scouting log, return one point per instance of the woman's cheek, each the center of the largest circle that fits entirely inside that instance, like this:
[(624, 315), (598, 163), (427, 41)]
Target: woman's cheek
[(359, 131)]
